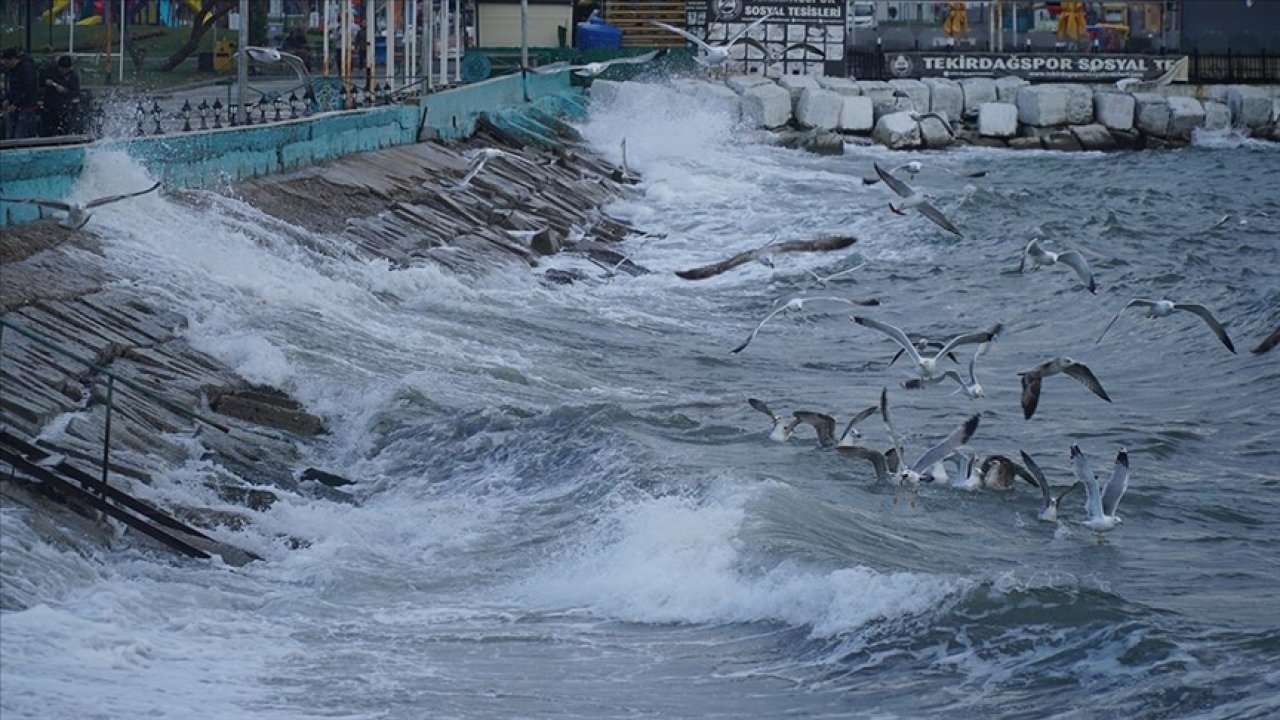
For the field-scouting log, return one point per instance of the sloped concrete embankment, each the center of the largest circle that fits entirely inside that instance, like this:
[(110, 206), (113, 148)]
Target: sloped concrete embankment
[(400, 204)]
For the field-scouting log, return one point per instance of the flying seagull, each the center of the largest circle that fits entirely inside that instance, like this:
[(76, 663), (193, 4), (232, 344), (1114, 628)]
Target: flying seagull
[(78, 212), (1032, 378), (595, 68), (1037, 257), (1165, 308), (928, 367), (1048, 503), (913, 199), (782, 430), (715, 55), (481, 157), (765, 252), (1269, 343), (917, 472), (969, 386), (795, 305), (822, 280), (914, 168), (1100, 504), (272, 56), (1138, 85)]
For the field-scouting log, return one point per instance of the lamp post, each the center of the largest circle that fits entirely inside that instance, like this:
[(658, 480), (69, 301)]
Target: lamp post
[(242, 63)]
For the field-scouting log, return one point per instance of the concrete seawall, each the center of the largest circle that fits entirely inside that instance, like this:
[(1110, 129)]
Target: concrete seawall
[(219, 157), (995, 112)]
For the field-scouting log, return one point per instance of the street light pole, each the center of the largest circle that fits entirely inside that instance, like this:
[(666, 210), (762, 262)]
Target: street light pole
[(242, 64)]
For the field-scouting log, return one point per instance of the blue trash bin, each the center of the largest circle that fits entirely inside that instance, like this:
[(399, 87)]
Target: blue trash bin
[(596, 34)]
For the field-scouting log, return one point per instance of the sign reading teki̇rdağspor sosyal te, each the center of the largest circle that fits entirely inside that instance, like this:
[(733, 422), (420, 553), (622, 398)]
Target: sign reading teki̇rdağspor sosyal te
[(1031, 66), (801, 36)]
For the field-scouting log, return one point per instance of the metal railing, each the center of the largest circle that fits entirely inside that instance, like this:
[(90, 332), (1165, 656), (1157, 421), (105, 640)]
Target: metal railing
[(1232, 67)]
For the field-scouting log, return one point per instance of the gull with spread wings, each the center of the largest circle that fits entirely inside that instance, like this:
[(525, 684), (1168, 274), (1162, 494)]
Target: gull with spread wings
[(1048, 503), (272, 56), (915, 167), (594, 69), (78, 212), (917, 472), (1032, 378), (796, 305), (714, 55), (912, 199), (1100, 504), (1165, 308), (765, 253), (1038, 257), (927, 367)]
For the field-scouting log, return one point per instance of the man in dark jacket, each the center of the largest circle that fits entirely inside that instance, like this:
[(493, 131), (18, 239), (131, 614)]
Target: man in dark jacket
[(61, 99), (21, 103)]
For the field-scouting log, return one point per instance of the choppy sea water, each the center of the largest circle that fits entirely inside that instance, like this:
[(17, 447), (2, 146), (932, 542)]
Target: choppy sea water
[(569, 510)]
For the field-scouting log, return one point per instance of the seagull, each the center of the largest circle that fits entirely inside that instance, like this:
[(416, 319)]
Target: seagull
[(1037, 257), (716, 55), (595, 68), (997, 472), (928, 367), (482, 156), (623, 174), (1165, 308), (922, 344), (917, 472), (1100, 505), (272, 56), (796, 305), (851, 432), (764, 253), (914, 168), (782, 431), (1269, 343), (967, 475), (1229, 217), (1137, 85), (970, 387), (824, 424), (772, 58), (913, 199), (1032, 378), (78, 212), (822, 280), (1048, 503)]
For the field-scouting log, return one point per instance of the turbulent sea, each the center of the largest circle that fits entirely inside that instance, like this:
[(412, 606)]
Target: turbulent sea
[(568, 509)]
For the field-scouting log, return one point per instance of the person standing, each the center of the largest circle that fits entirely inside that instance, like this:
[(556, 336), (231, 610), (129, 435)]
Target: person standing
[(21, 103), (61, 99)]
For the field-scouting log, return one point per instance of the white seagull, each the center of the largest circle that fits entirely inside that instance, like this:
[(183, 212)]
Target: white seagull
[(481, 157), (970, 386), (715, 55), (782, 430), (913, 199), (917, 472), (925, 366), (822, 280), (1165, 308), (1136, 85), (595, 68), (1036, 257), (796, 305), (78, 212), (272, 56), (1032, 378), (915, 167), (1048, 503), (1100, 505)]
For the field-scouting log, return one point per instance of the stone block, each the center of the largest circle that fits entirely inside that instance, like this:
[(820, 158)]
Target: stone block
[(796, 84), (766, 106), (1250, 106), (1025, 143), (857, 114), (934, 133), (1126, 139), (1079, 104), (1007, 88), (1042, 105), (1063, 140), (741, 83), (713, 96), (839, 85), (882, 100), (1094, 137), (916, 90), (818, 108), (977, 91), (897, 131), (1185, 115), (1114, 109), (945, 96), (1151, 114), (1275, 110), (1216, 93), (1217, 116), (997, 120)]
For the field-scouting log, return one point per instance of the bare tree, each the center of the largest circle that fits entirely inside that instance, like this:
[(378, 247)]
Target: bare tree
[(210, 12)]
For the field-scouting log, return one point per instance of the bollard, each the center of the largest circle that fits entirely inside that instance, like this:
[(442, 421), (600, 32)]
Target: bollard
[(186, 116), (262, 111), (140, 115), (293, 106), (217, 114), (203, 109), (156, 112)]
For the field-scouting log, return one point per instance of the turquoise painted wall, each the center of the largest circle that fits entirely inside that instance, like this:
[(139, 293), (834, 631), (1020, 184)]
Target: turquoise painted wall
[(219, 157)]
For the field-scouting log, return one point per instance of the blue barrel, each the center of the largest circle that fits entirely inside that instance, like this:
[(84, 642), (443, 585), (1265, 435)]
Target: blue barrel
[(596, 34)]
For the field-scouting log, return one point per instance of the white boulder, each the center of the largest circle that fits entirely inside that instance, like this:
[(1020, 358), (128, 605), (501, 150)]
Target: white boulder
[(1094, 137), (1250, 106), (796, 84), (1007, 88), (1079, 104), (839, 85), (1152, 113), (997, 120), (741, 83), (714, 96), (897, 131), (818, 108), (977, 91), (934, 133), (945, 96), (1114, 109), (1185, 114), (766, 106), (1217, 116), (1042, 105), (916, 90), (857, 114)]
